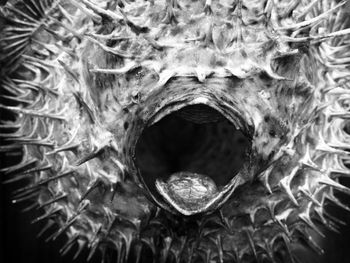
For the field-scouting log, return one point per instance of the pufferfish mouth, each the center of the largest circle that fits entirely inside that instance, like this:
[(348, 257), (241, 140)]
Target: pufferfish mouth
[(190, 159)]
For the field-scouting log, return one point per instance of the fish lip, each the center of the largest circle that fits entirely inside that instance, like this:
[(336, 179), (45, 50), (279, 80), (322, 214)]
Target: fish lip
[(173, 106), (158, 111)]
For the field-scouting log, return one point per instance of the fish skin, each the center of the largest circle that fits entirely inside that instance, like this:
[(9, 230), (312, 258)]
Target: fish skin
[(96, 73)]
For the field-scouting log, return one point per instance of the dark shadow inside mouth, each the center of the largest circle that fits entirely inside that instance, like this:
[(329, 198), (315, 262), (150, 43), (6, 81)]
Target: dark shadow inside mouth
[(196, 139)]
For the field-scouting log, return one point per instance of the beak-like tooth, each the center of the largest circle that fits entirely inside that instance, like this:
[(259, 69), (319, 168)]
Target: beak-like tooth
[(188, 192)]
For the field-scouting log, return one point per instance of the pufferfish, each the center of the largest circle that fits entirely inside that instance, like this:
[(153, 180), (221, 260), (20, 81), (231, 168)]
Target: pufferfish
[(179, 130)]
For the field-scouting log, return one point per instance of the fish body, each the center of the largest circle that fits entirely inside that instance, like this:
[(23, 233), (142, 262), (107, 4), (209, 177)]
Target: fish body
[(188, 131)]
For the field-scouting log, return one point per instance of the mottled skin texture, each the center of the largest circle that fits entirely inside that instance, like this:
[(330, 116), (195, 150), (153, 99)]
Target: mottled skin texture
[(86, 78)]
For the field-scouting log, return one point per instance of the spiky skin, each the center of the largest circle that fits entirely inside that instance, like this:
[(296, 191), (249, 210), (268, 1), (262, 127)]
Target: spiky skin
[(87, 77)]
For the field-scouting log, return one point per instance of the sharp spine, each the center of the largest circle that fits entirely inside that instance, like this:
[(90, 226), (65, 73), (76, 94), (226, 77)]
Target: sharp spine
[(53, 200)]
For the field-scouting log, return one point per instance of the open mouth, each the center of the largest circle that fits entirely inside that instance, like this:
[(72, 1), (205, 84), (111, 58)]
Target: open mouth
[(190, 159)]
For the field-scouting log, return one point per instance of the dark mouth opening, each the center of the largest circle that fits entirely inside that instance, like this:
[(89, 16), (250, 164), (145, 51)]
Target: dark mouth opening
[(196, 139)]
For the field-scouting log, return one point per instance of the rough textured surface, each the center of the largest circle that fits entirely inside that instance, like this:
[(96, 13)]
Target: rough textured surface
[(85, 78)]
